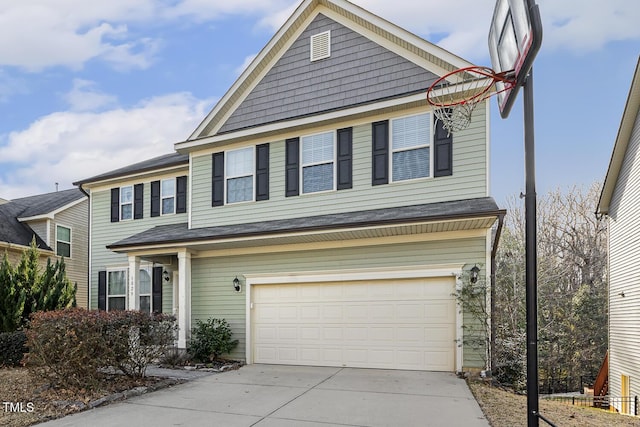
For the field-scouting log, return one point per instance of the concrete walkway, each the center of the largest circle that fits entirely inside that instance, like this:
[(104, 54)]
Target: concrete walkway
[(287, 396)]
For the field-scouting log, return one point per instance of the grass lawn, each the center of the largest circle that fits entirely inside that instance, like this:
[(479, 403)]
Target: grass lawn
[(507, 409)]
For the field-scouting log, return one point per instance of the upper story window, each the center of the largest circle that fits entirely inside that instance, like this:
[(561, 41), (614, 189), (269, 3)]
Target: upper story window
[(126, 202), (168, 196), (63, 241), (239, 172), (317, 155), (411, 147)]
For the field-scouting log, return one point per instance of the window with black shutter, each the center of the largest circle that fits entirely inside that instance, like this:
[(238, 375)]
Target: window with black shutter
[(292, 165)]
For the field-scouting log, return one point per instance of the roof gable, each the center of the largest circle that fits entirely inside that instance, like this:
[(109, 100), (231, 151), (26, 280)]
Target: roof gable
[(412, 48), (358, 71), (629, 118), (12, 214), (44, 204)]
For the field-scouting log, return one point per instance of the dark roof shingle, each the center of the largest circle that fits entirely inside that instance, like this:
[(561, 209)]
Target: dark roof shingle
[(166, 160), (176, 233), (15, 232)]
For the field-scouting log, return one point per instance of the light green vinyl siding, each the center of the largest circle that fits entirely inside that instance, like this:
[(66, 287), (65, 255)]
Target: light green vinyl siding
[(469, 180), (104, 232), (212, 293)]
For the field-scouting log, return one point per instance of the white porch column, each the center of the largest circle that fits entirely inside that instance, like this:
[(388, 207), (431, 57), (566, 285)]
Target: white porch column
[(133, 287), (184, 298)]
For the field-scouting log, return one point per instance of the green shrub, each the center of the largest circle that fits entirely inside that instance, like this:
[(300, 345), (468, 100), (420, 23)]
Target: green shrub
[(12, 348), (71, 348), (26, 288), (211, 339)]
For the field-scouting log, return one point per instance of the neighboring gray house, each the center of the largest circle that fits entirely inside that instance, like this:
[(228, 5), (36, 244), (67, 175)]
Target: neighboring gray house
[(620, 202), (58, 221), (319, 208)]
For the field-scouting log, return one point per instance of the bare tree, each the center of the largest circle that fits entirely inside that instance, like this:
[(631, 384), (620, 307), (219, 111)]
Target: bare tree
[(572, 287)]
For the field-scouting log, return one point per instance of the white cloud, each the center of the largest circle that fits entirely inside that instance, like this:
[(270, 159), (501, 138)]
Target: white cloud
[(84, 96), (247, 61), (71, 32), (588, 25), (462, 26), (68, 146)]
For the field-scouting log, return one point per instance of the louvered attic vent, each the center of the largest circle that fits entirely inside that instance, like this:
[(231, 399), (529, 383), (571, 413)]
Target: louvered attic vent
[(321, 46)]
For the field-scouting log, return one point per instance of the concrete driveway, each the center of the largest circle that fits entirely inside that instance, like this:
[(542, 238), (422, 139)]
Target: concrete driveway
[(287, 396)]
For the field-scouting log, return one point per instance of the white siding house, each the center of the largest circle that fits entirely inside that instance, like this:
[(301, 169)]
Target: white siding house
[(620, 202)]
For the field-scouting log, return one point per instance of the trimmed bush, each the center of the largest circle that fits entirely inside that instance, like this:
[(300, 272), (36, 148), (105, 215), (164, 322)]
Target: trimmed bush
[(12, 348), (71, 348), (211, 339)]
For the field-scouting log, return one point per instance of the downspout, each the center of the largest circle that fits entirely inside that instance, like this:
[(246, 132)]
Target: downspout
[(494, 251)]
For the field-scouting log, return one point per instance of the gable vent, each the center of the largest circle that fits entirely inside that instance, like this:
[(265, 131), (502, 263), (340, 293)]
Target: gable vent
[(321, 46)]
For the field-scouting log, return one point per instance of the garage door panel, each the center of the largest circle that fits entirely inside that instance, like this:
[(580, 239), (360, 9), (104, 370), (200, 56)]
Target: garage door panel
[(353, 324)]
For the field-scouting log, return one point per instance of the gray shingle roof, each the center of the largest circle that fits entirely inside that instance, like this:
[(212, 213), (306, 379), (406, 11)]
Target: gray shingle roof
[(42, 204), (179, 233), (15, 232), (166, 160)]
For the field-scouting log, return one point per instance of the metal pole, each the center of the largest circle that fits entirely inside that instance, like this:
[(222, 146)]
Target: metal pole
[(531, 263)]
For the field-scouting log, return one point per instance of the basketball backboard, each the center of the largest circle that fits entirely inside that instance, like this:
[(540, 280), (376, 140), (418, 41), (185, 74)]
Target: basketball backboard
[(515, 36)]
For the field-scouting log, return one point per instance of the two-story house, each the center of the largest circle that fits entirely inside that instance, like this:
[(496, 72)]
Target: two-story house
[(58, 222), (619, 201), (319, 207)]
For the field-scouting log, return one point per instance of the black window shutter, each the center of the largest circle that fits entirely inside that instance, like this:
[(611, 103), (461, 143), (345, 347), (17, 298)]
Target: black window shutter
[(181, 194), (115, 204), (292, 180), (155, 198), (138, 200), (443, 151), (380, 154), (156, 289), (102, 290), (262, 172), (345, 155), (217, 188)]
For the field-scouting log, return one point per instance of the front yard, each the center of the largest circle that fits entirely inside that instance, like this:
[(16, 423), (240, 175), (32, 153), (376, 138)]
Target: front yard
[(507, 409), (25, 400)]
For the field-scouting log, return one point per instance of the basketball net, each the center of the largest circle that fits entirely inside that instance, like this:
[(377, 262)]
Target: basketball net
[(454, 96)]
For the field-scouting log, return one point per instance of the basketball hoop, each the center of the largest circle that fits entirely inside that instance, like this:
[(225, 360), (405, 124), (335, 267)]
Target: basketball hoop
[(454, 102)]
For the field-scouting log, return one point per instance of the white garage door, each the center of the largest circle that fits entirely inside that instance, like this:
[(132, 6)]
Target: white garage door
[(391, 324)]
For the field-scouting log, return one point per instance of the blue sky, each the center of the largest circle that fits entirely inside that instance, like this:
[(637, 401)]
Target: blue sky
[(89, 87)]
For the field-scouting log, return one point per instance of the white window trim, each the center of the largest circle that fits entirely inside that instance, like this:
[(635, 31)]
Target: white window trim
[(148, 268), (334, 162), (429, 145), (69, 242), (227, 177), (174, 197), (126, 282), (120, 204)]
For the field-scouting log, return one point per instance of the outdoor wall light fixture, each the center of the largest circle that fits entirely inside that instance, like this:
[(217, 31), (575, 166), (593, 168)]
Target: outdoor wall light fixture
[(473, 274), (236, 284), (621, 294), (165, 275)]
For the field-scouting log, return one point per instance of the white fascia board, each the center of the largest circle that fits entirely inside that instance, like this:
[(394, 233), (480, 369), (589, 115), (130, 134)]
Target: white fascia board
[(304, 121)]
